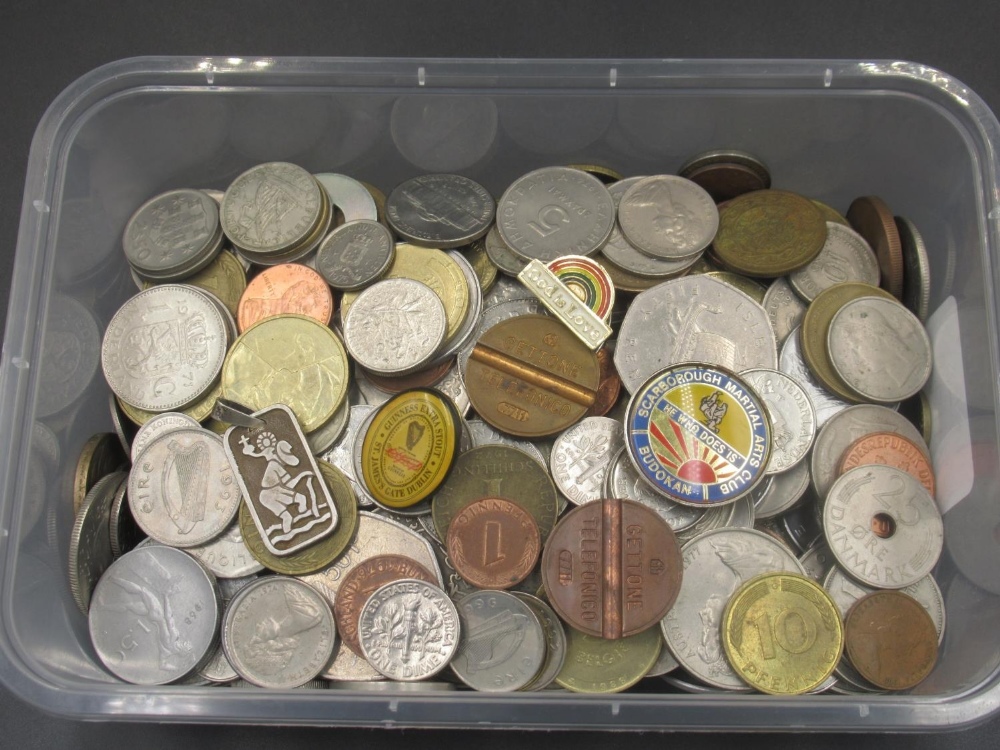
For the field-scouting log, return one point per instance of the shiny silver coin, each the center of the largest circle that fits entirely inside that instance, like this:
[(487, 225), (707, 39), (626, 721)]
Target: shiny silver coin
[(784, 492), (581, 456), (880, 349), (916, 270), (502, 644), (425, 614), (349, 196), (665, 662), (125, 533), (323, 437), (182, 490), (497, 314), (501, 255), (785, 309), (452, 386), (90, 551), (623, 481), (883, 527), (484, 434), (440, 210), (355, 254), (506, 289), (160, 425), (845, 256), (793, 420), (555, 211), (711, 519), (365, 500), (227, 555), (278, 632), (846, 427), (155, 616), (555, 641), (164, 348), (791, 363), (395, 326), (173, 235), (693, 319), (715, 566), (743, 509), (818, 561), (666, 216), (340, 454)]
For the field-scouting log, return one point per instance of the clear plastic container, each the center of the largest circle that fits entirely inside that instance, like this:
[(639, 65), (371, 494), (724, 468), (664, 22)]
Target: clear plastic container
[(830, 130)]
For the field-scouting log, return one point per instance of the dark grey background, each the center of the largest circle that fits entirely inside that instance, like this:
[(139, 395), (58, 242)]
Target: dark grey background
[(44, 46)]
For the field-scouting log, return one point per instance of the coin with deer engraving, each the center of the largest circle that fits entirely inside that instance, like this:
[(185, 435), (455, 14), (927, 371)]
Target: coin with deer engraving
[(581, 456), (440, 210)]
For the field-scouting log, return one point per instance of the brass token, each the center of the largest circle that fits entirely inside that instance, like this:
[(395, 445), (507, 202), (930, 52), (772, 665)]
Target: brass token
[(531, 377), (782, 634), (409, 447), (288, 359), (816, 324), (872, 219), (101, 455), (435, 269), (322, 553), (596, 665), (768, 233), (481, 264), (753, 289), (831, 214), (224, 277), (199, 411)]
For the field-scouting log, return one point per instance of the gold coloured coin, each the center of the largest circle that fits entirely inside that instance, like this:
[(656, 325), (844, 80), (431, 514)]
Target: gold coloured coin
[(607, 175), (292, 360), (752, 289), (101, 455), (597, 665), (199, 412), (481, 264), (224, 277), (782, 633), (831, 214)]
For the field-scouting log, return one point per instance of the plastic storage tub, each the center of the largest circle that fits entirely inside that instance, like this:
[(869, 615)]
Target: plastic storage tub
[(830, 130)]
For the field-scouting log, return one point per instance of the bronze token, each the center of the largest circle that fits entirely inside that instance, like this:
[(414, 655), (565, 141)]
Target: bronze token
[(725, 181), (531, 377), (286, 288), (610, 385), (891, 640), (889, 449), (363, 581), (493, 543), (872, 219), (612, 568), (101, 455)]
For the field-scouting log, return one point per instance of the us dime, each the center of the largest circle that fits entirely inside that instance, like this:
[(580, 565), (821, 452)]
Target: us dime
[(791, 363), (355, 254), (668, 217), (581, 456), (845, 256), (160, 425), (227, 556), (173, 235), (784, 307), (440, 210), (793, 421), (623, 481)]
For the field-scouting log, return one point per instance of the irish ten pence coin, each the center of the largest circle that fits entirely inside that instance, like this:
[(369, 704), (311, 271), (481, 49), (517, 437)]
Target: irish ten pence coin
[(612, 568), (285, 288), (158, 425), (355, 254), (889, 449), (440, 210), (793, 420), (597, 665), (845, 257), (90, 552), (873, 220), (666, 216), (173, 235), (581, 456), (493, 543)]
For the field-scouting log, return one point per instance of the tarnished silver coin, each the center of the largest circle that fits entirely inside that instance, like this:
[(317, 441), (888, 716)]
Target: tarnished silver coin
[(227, 555), (880, 349), (278, 632), (164, 348), (484, 434), (502, 644), (846, 427), (497, 314), (125, 533), (409, 630), (341, 452), (555, 211), (845, 256), (818, 561), (218, 669), (182, 490), (323, 437), (744, 515), (716, 564), (349, 196), (668, 217), (791, 363), (355, 254), (90, 551), (883, 527), (784, 492), (555, 641), (155, 616), (581, 456), (916, 270), (793, 420), (395, 326), (502, 256), (785, 309), (160, 425), (665, 662), (453, 386), (440, 210), (623, 481), (173, 235), (506, 289), (693, 319)]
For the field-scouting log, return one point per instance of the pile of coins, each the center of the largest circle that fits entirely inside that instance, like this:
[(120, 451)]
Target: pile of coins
[(602, 430)]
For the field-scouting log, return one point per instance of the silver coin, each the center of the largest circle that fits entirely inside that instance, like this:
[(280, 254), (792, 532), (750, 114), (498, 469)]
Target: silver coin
[(90, 551), (124, 428), (502, 644), (883, 527), (164, 348), (340, 453), (372, 394), (817, 561), (349, 196), (501, 255), (715, 566), (802, 527), (668, 217), (278, 632), (845, 256), (743, 512), (712, 519), (496, 314), (555, 211), (623, 481), (395, 326), (484, 434), (846, 427), (785, 309), (160, 425), (506, 289), (880, 349), (581, 456), (685, 683), (227, 555), (227, 317), (155, 616), (69, 356), (355, 254), (440, 210), (916, 270), (215, 195), (453, 386), (323, 437), (693, 319), (217, 669), (793, 420), (555, 641), (428, 686), (665, 662), (182, 490), (173, 235), (784, 492), (125, 533), (230, 587), (409, 630), (825, 404)]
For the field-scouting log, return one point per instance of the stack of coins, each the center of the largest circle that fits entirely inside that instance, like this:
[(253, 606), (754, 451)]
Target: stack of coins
[(724, 496)]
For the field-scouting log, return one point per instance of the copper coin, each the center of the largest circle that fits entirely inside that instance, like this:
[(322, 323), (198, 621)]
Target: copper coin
[(872, 219), (363, 581), (612, 568), (891, 640), (287, 288), (493, 543), (889, 449), (725, 181), (610, 385), (423, 379), (531, 377)]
